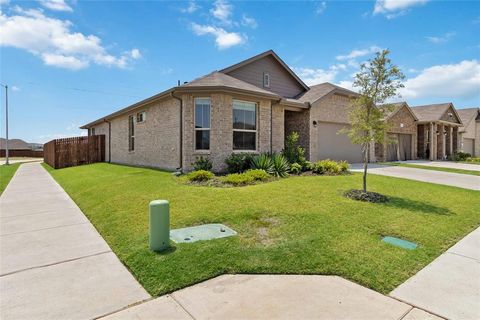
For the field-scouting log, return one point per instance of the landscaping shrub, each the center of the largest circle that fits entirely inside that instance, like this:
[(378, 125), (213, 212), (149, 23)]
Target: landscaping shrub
[(307, 166), (238, 162), (460, 156), (475, 159), (295, 168), (200, 175), (280, 166), (202, 164), (238, 179), (258, 174), (330, 167), (365, 196), (263, 162), (293, 152)]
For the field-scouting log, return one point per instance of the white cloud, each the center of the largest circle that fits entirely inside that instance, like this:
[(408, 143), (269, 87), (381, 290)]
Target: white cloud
[(249, 22), (222, 10), (56, 5), (394, 8), (135, 54), (4, 2), (357, 53), (347, 84), (450, 81), (55, 43), (192, 7), (320, 7), (223, 39), (441, 39), (15, 88), (312, 76)]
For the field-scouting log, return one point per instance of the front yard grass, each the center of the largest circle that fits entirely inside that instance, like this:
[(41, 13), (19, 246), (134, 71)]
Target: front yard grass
[(6, 174), (298, 225), (419, 166)]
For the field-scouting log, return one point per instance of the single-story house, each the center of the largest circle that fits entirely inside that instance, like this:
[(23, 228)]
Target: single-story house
[(470, 131), (437, 130), (248, 107)]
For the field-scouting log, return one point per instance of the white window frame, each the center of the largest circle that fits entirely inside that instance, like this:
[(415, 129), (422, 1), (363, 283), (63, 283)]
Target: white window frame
[(247, 130), (201, 129), (266, 80), (144, 116)]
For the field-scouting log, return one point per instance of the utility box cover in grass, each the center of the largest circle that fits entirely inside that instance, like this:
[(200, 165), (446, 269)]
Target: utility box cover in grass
[(202, 232)]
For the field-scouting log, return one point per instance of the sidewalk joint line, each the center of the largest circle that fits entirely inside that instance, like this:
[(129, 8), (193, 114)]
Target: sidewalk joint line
[(125, 308), (181, 305), (463, 256), (55, 263), (42, 229)]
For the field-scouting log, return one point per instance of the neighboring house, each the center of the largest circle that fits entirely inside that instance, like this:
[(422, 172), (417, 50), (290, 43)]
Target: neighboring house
[(14, 144), (401, 140), (18, 148), (437, 130), (470, 132)]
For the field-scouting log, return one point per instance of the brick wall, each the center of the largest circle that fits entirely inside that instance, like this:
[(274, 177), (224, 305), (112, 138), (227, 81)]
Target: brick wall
[(299, 122)]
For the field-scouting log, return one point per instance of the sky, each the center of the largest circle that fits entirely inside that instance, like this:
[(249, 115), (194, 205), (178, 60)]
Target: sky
[(69, 62)]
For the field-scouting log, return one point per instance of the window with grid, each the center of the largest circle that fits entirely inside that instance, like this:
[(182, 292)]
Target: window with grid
[(131, 133), (244, 125), (202, 123)]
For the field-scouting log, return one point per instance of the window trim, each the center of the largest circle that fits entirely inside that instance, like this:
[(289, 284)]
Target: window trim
[(144, 117), (246, 130), (131, 138), (195, 129)]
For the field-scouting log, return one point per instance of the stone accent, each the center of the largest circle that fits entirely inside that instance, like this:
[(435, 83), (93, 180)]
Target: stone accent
[(157, 139), (299, 121)]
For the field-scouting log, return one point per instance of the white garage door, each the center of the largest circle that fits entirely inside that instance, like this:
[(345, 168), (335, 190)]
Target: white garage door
[(335, 146), (468, 145)]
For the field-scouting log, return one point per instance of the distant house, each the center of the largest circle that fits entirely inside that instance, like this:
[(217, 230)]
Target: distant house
[(248, 107), (19, 148), (470, 132)]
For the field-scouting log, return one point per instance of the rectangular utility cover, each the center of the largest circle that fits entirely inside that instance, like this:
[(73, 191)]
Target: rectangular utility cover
[(202, 232), (400, 243)]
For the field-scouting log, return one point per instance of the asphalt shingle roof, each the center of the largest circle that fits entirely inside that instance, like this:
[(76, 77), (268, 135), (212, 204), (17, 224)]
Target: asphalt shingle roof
[(431, 112), (466, 115), (14, 144), (319, 91)]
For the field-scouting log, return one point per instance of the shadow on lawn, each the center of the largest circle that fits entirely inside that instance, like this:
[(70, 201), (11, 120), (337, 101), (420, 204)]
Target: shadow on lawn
[(413, 205)]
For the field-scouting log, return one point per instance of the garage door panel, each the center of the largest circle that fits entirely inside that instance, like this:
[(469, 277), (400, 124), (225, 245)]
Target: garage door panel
[(468, 145), (332, 145)]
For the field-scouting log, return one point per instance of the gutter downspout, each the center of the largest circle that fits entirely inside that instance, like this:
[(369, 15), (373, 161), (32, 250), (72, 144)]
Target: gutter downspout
[(109, 140), (181, 130)]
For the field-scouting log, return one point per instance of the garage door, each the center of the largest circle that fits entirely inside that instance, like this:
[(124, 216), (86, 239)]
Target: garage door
[(335, 146), (468, 145)]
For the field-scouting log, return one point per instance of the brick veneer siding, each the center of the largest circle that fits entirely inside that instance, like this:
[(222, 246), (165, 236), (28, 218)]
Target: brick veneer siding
[(221, 128), (299, 122), (156, 140)]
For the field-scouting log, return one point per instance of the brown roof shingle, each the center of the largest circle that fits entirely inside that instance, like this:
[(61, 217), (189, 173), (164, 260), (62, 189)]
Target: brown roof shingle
[(431, 112), (467, 115), (14, 144), (319, 91)]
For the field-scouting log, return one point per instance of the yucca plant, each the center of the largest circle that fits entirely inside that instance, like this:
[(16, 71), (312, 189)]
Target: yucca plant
[(280, 165), (263, 162)]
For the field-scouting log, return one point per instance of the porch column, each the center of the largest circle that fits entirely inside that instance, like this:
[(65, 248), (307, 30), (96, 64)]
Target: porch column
[(440, 141), (433, 142), (450, 134)]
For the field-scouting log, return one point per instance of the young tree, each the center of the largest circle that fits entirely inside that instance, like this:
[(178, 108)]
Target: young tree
[(377, 81)]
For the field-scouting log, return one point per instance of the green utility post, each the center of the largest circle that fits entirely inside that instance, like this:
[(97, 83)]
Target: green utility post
[(159, 225)]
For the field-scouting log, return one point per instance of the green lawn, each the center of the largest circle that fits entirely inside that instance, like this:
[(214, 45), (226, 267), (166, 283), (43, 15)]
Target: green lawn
[(419, 166), (299, 225), (6, 174)]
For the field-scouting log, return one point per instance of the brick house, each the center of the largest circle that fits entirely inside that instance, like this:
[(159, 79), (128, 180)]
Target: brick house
[(248, 107), (470, 131)]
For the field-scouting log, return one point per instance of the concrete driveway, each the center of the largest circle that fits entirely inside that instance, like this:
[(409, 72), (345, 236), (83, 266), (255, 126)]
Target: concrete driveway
[(450, 285), (444, 164), (465, 181), (53, 263)]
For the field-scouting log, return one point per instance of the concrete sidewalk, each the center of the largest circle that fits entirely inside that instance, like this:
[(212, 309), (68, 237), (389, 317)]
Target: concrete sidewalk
[(450, 285), (444, 164), (274, 297), (54, 264), (465, 181)]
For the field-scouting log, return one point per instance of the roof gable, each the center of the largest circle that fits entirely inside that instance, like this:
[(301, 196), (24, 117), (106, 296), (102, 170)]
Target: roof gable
[(283, 81), (437, 112), (397, 107), (469, 114)]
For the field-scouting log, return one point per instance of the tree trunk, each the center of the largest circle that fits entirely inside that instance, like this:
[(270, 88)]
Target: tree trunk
[(365, 166)]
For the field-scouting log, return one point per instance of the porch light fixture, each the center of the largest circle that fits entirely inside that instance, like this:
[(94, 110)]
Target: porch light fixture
[(314, 123), (401, 125)]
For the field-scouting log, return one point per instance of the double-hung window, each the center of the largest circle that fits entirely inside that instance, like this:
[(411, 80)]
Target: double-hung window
[(244, 125), (202, 123), (131, 133)]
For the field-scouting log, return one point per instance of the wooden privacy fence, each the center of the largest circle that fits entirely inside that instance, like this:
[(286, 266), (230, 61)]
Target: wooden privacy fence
[(22, 153), (69, 152)]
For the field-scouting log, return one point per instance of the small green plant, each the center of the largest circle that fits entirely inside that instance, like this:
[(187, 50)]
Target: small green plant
[(202, 164), (293, 152), (460, 156), (263, 162), (238, 162), (344, 166), (330, 167), (200, 176), (280, 166), (475, 160), (295, 168), (307, 166), (258, 174), (238, 179)]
